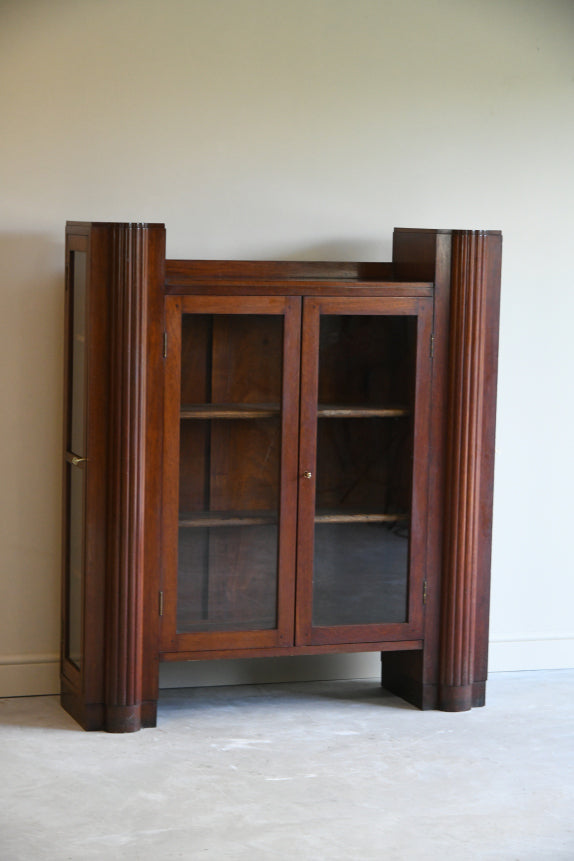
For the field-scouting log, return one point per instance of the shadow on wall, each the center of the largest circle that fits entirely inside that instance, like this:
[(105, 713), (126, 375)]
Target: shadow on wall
[(31, 377), (347, 250)]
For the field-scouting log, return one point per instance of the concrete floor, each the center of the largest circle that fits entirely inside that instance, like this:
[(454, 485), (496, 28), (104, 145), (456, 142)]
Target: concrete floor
[(329, 770)]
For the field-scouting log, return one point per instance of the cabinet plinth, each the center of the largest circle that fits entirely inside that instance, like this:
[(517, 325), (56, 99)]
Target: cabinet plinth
[(269, 459)]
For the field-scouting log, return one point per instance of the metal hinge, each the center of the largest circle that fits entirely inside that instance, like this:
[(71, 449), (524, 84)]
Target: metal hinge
[(161, 603), (165, 345), (424, 591), (432, 345)]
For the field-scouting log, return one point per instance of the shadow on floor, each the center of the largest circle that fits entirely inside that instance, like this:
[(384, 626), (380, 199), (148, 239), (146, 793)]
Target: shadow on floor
[(353, 691)]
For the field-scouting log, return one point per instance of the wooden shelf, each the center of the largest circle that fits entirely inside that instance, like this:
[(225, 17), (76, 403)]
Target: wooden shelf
[(229, 411), (203, 519), (265, 411), (344, 412), (338, 516)]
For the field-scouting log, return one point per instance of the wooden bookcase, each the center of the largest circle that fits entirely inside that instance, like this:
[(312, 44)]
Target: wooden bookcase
[(267, 459)]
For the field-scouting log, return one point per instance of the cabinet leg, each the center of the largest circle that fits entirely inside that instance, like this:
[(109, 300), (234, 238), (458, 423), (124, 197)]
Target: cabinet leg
[(131, 718), (149, 714), (123, 718), (458, 698), (403, 675)]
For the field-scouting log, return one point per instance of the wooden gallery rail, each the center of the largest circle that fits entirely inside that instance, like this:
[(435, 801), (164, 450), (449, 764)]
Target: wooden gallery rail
[(266, 459)]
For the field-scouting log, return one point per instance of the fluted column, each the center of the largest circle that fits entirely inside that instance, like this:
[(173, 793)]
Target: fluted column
[(125, 525), (468, 333)]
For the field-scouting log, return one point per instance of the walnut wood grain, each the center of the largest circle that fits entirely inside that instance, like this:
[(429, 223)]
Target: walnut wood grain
[(358, 517), (331, 412), (384, 645), (202, 520), (289, 278), (229, 411), (467, 449), (253, 271), (124, 605)]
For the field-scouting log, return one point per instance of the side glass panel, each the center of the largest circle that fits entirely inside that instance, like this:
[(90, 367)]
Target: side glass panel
[(76, 444), (364, 469), (77, 353), (230, 452), (75, 478)]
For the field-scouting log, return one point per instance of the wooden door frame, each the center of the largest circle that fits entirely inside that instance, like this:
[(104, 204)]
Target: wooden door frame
[(172, 641), (306, 633)]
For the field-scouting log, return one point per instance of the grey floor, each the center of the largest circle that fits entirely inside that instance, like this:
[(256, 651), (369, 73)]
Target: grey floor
[(330, 770)]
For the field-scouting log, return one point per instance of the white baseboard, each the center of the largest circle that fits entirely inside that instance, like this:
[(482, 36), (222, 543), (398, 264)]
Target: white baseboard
[(38, 675), (506, 654), (538, 652), (29, 675)]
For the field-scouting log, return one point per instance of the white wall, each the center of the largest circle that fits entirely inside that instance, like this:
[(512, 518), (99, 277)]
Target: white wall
[(308, 128)]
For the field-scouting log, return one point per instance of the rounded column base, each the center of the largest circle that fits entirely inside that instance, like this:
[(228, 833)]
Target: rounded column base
[(455, 698), (123, 718)]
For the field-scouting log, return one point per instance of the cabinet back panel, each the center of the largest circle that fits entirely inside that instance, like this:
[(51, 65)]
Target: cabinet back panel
[(366, 360), (231, 358), (227, 578)]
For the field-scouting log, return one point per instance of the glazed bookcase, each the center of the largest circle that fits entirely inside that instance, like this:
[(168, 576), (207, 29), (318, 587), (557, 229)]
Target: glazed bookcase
[(276, 458)]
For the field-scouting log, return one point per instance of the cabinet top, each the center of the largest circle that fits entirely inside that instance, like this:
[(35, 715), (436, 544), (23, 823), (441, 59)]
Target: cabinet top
[(286, 277), (123, 224), (472, 231), (420, 262)]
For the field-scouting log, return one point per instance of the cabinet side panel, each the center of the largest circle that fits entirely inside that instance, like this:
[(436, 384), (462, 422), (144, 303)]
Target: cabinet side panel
[(411, 675), (493, 262), (97, 466), (83, 685), (415, 254), (437, 456), (153, 478)]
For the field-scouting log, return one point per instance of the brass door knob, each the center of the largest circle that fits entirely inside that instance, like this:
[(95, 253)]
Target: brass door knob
[(75, 460), (307, 475)]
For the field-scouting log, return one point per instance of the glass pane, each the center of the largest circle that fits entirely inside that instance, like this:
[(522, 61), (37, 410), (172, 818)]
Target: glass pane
[(230, 451), (75, 552), (364, 469), (76, 441), (231, 359), (226, 578), (76, 445)]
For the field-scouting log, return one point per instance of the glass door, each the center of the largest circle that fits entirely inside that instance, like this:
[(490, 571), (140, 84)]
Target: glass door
[(231, 443), (363, 466), (75, 454)]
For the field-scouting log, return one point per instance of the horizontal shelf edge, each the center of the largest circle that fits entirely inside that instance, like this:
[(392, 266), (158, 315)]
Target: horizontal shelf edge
[(229, 411), (209, 519), (328, 411), (358, 517), (260, 411), (213, 518)]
